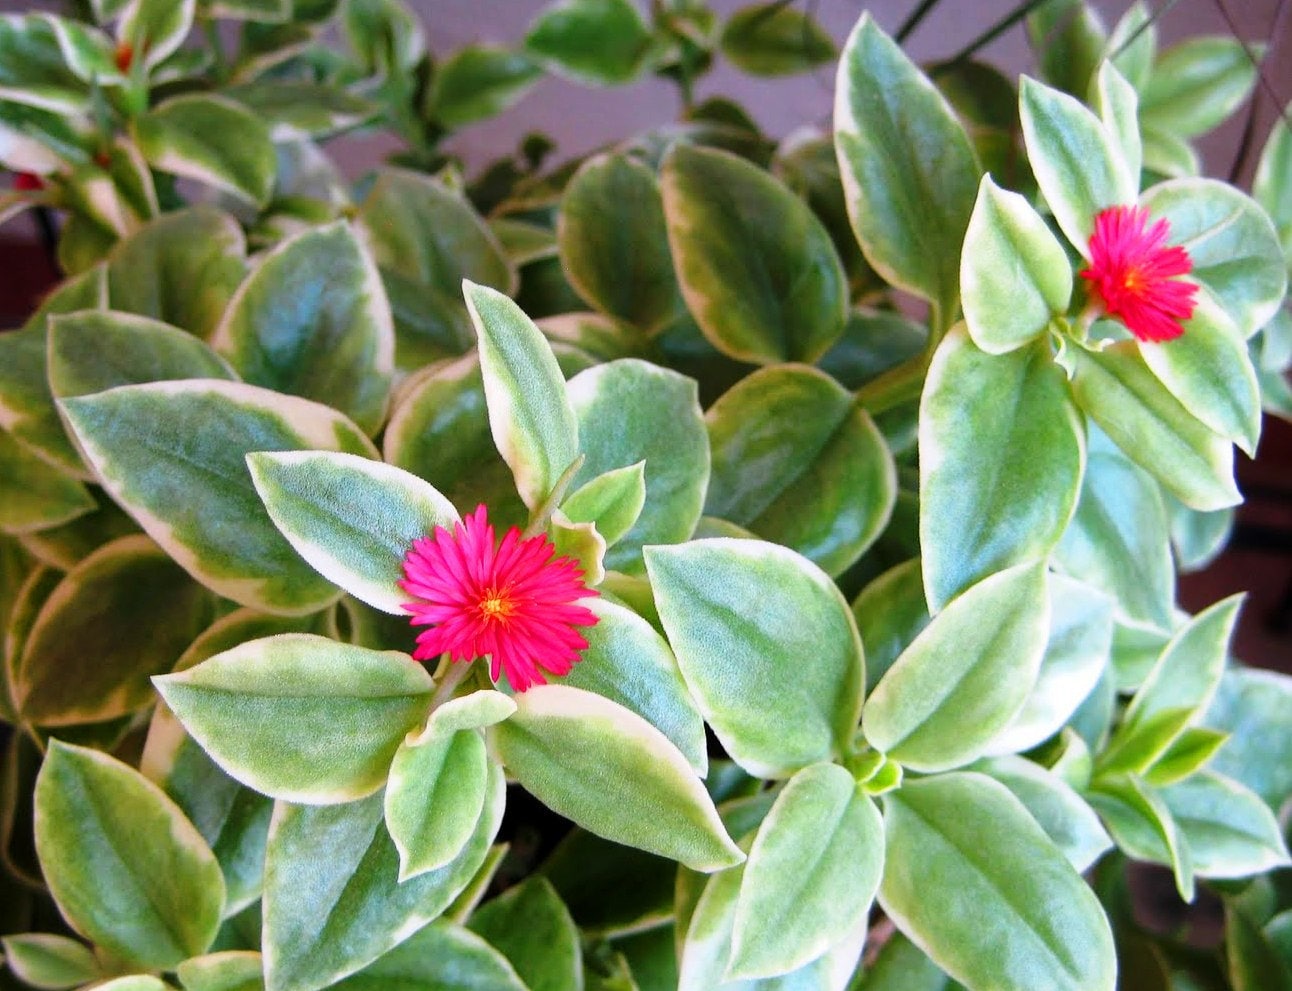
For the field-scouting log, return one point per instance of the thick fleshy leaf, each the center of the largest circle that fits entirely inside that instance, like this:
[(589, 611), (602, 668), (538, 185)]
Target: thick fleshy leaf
[(532, 928), (211, 139), (155, 28), (1119, 393), (312, 320), (1066, 818), (1075, 160), (440, 957), (1014, 275), (139, 611), (1076, 655), (1208, 370), (632, 784), (351, 518), (758, 270), (630, 411), (1230, 831), (1011, 913), (1232, 243), (296, 110), (33, 71), (909, 172), (613, 501), (1143, 827), (182, 268), (1191, 751), (124, 865), (1001, 458), (434, 797), (592, 41), (614, 244), (333, 903), (333, 714), (966, 676), (530, 415), (171, 453), (768, 648), (96, 350), (1198, 538), (771, 39), (1198, 83), (1069, 39), (628, 662), (798, 463), (33, 495), (1117, 103), (45, 960), (479, 81), (229, 970), (610, 888), (1255, 708), (890, 612), (1272, 185), (811, 875)]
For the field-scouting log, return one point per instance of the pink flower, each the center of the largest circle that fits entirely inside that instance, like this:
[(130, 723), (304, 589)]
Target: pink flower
[(512, 601), (1132, 271)]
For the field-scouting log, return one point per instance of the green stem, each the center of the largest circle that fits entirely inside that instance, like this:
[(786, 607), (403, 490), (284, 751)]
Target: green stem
[(896, 386), (449, 683), (212, 32), (991, 34), (538, 521), (913, 20)]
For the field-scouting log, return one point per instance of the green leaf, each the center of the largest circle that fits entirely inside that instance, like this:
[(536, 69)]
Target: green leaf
[(138, 609), (1068, 39), (773, 39), (124, 865), (1143, 827), (591, 41), (614, 244), (155, 28), (351, 518), (312, 321), (1066, 818), (434, 797), (797, 462), (1254, 965), (890, 612), (1132, 45), (1118, 392), (909, 172), (333, 902), (230, 970), (33, 496), (613, 501), (1117, 103), (530, 415), (902, 966), (385, 34), (296, 110), (767, 646), (630, 411), (439, 431), (479, 81), (32, 68), (440, 957), (94, 350), (1076, 655), (628, 662), (135, 982), (609, 888), (1230, 831), (1232, 243), (965, 676), (211, 139), (757, 268), (532, 928), (1078, 166), (1014, 275), (1255, 708), (171, 453), (182, 268), (44, 960), (631, 785), (1272, 185), (1198, 83), (1191, 751), (811, 875), (333, 714), (1011, 913), (1001, 456)]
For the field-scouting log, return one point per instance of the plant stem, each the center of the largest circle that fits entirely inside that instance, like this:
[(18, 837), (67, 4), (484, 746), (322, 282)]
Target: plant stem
[(992, 33), (449, 683), (913, 19)]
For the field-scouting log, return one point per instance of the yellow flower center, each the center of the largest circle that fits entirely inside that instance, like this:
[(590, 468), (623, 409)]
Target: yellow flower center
[(497, 604)]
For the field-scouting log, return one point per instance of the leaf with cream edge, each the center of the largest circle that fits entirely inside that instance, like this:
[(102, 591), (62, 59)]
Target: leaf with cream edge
[(532, 928), (227, 970), (767, 646), (965, 676), (351, 518), (613, 501), (312, 320), (530, 416), (126, 868), (632, 785), (1002, 452), (1014, 274), (33, 496), (909, 172), (368, 700), (171, 454), (440, 957), (1115, 99), (45, 960), (1012, 914), (333, 902), (155, 28), (811, 875)]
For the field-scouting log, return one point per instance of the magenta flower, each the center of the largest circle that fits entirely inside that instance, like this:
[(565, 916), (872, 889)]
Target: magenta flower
[(1132, 270), (512, 601)]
